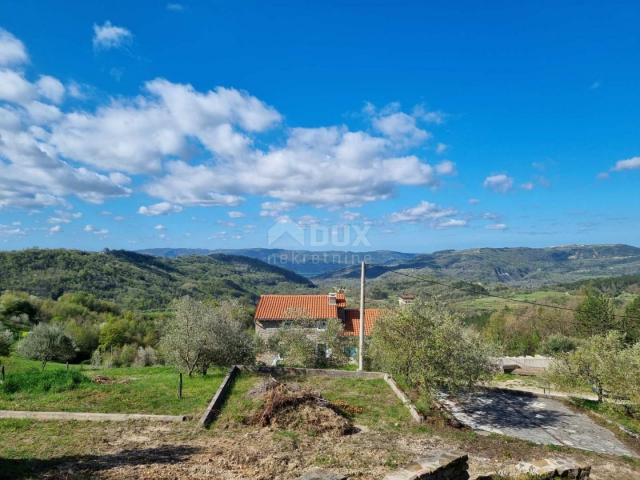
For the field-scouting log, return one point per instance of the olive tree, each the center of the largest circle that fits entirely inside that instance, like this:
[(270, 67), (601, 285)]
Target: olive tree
[(200, 334), (428, 347), (47, 343), (596, 362)]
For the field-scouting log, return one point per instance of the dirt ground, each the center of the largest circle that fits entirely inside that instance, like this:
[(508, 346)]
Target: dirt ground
[(147, 451), (234, 448)]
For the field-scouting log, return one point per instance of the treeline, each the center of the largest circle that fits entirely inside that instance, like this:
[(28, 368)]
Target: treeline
[(141, 282), (530, 330)]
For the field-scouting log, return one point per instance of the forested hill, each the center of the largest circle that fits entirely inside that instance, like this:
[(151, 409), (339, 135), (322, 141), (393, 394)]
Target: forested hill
[(529, 267), (305, 262), (141, 281)]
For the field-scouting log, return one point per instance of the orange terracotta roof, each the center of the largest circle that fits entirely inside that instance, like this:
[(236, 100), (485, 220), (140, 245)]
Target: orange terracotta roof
[(292, 307), (352, 321)]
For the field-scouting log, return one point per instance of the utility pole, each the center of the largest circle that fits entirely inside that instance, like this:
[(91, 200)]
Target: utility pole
[(361, 343)]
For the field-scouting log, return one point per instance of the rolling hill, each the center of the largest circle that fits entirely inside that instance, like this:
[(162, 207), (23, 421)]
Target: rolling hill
[(139, 281), (527, 267), (304, 262)]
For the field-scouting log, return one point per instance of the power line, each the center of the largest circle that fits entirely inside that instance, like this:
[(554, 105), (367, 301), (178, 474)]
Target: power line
[(492, 295)]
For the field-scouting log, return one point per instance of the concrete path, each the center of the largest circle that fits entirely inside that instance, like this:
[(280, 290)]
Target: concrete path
[(534, 418), (96, 417)]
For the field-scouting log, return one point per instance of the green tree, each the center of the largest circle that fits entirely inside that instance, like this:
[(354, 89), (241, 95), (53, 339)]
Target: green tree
[(595, 316), (631, 321), (596, 363), (47, 343), (427, 346), (6, 339), (295, 346)]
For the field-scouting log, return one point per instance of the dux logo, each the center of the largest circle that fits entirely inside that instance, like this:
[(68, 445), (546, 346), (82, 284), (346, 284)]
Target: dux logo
[(289, 233)]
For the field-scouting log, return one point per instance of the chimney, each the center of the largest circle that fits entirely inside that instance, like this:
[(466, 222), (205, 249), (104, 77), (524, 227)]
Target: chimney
[(332, 299)]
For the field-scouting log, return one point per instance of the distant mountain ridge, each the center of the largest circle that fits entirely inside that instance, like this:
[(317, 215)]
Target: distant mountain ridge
[(139, 281), (304, 262), (517, 266)]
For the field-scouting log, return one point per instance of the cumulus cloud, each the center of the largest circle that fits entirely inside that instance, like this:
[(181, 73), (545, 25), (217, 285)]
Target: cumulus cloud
[(55, 229), (162, 208), (275, 209), (500, 183), (12, 50), (628, 164), (236, 214), (424, 211), (350, 216), (195, 148), (400, 127), (50, 88), (108, 36)]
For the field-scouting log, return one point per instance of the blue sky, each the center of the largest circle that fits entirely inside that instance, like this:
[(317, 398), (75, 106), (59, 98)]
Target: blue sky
[(412, 126)]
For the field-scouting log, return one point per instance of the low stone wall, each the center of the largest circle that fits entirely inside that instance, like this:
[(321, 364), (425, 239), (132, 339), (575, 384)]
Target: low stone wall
[(215, 405), (92, 417), (413, 411), (325, 372), (537, 362), (439, 466)]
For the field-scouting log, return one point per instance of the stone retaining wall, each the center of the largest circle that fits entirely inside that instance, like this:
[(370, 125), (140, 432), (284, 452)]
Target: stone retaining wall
[(215, 405)]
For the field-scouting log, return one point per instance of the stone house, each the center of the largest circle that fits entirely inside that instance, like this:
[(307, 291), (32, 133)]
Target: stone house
[(310, 312)]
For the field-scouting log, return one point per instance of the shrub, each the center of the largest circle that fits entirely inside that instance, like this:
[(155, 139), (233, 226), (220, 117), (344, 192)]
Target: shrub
[(34, 381), (557, 344), (145, 357), (6, 339)]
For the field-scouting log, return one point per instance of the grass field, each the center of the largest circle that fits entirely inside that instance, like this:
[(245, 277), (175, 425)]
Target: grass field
[(380, 408), (127, 390)]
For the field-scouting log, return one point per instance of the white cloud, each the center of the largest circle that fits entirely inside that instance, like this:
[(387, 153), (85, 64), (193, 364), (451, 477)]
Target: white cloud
[(95, 231), (201, 148), (350, 216), (160, 227), (500, 183), (108, 36), (450, 223), (55, 229), (446, 167), (11, 231), (430, 116), (628, 164), (12, 50), (400, 128), (275, 209), (422, 212), (441, 148), (134, 136), (50, 88), (64, 216), (497, 226), (527, 186), (162, 208), (236, 214), (473, 201), (14, 88)]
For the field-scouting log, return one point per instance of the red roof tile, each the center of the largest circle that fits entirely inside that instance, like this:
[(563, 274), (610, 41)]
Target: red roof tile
[(352, 321), (292, 307)]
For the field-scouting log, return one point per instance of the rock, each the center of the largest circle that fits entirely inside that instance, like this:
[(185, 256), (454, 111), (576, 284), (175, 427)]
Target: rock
[(319, 474)]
